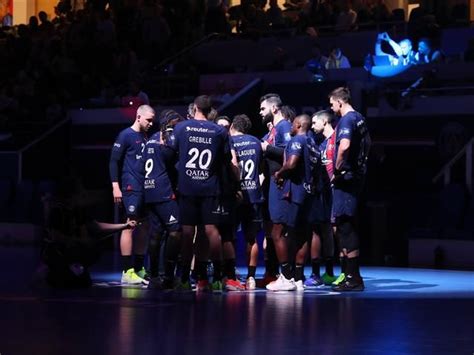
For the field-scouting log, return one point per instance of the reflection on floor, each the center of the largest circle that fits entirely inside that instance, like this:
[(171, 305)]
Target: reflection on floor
[(402, 311)]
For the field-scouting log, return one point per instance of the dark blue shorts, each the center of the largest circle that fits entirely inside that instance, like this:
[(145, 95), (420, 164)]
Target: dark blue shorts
[(133, 202), (227, 210), (297, 214), (277, 206), (250, 216), (319, 207), (195, 210), (344, 203), (165, 216)]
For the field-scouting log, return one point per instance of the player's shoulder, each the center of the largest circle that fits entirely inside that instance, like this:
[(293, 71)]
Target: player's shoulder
[(154, 139), (283, 125)]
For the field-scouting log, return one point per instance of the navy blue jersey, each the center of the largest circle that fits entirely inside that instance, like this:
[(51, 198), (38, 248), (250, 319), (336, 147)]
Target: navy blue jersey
[(300, 180), (352, 126), (127, 152), (278, 138), (282, 136), (325, 169), (157, 182), (249, 155), (203, 148)]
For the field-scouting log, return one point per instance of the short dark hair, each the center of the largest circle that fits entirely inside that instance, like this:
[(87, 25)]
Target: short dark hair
[(269, 95), (274, 100), (169, 117), (242, 123), (223, 118), (327, 114), (203, 104), (212, 115), (341, 93), (288, 113)]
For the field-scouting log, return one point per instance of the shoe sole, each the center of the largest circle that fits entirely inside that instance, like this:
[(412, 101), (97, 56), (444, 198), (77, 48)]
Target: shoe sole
[(355, 289)]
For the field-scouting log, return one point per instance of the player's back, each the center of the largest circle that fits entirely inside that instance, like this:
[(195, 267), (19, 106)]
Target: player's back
[(249, 155), (202, 149), (157, 185)]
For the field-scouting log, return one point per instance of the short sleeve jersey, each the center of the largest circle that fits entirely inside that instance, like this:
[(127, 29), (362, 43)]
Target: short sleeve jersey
[(203, 147), (300, 182), (128, 150), (157, 186), (352, 126), (249, 155), (282, 134)]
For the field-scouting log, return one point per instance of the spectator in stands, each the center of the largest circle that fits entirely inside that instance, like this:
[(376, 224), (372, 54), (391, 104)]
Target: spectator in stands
[(317, 62), (337, 60), (426, 53), (275, 15), (404, 53), (216, 18), (46, 27), (7, 20), (379, 11), (347, 18), (135, 96)]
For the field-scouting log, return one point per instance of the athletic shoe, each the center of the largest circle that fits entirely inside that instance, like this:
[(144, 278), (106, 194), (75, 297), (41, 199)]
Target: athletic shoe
[(234, 285), (267, 278), (141, 273), (160, 283), (216, 286), (328, 280), (282, 284), (313, 281), (250, 284), (183, 286), (350, 284), (203, 286), (129, 277), (299, 285), (339, 279)]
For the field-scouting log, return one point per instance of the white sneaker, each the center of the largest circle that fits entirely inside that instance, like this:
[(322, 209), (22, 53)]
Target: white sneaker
[(282, 284), (250, 284), (129, 277), (299, 285)]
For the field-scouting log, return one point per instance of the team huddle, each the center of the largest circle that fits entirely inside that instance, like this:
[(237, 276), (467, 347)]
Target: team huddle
[(199, 179)]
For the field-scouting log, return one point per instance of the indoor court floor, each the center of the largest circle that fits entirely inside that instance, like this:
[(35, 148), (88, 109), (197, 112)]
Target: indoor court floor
[(402, 311)]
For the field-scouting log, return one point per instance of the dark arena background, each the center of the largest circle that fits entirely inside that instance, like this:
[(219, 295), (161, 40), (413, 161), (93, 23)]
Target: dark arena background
[(73, 78)]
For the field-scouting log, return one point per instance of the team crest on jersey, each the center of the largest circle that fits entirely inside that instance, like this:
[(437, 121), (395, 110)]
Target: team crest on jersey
[(131, 208), (296, 146)]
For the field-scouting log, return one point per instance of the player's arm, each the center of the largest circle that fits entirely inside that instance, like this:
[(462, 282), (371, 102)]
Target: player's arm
[(289, 165), (273, 152), (235, 165), (116, 156), (342, 153)]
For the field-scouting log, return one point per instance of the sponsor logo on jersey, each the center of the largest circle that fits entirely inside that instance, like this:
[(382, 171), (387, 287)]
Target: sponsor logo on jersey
[(172, 219), (198, 129), (344, 131)]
